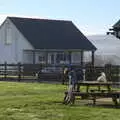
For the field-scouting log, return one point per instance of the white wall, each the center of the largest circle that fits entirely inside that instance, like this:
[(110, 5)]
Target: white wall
[(13, 43), (27, 57), (12, 52), (76, 57)]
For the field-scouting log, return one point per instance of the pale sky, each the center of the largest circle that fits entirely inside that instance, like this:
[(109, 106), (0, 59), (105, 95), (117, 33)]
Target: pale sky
[(90, 16)]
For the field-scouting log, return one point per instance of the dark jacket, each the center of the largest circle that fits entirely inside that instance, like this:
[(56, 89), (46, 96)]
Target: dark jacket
[(72, 77), (79, 74)]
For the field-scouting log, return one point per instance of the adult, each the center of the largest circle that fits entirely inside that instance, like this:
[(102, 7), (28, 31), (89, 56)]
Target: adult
[(72, 78), (79, 75), (65, 75)]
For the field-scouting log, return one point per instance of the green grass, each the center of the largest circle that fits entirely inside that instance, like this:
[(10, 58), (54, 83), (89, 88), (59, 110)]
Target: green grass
[(37, 101)]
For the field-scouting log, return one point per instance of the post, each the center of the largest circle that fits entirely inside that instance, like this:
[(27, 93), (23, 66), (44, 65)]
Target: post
[(34, 57), (81, 58), (19, 72), (5, 70), (69, 54), (93, 60), (84, 74), (46, 57)]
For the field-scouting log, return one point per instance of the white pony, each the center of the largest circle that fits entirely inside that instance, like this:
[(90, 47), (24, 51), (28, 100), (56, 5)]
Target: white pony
[(102, 77)]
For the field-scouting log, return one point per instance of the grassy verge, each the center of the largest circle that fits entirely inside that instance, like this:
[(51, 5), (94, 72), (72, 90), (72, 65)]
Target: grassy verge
[(35, 101)]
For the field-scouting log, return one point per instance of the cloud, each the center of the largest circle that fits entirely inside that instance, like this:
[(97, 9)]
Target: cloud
[(92, 29)]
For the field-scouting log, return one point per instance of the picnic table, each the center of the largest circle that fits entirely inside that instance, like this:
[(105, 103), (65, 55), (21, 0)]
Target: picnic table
[(89, 84), (94, 94)]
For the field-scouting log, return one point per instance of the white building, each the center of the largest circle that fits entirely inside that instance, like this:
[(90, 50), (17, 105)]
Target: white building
[(28, 40)]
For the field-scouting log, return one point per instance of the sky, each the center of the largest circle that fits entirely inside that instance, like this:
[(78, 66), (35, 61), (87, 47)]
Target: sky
[(90, 16)]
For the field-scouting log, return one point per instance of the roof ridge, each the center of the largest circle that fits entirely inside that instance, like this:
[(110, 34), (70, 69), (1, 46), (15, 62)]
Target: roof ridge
[(45, 19), (53, 34)]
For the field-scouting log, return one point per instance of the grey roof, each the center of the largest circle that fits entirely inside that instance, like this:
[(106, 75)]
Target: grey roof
[(52, 34)]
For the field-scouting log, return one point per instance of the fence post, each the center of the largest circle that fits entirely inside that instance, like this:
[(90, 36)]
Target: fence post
[(5, 70), (63, 76), (19, 72), (108, 72)]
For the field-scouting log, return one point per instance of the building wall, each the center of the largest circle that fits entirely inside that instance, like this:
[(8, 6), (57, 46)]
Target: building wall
[(27, 57), (75, 58), (12, 43)]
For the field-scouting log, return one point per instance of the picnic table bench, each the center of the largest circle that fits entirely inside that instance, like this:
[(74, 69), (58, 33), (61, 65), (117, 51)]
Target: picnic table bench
[(89, 84), (94, 94)]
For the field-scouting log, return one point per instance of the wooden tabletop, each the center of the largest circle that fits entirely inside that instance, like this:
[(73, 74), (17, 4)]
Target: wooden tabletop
[(98, 83)]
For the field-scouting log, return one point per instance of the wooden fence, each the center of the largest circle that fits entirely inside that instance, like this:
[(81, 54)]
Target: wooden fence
[(112, 72), (27, 72), (17, 72)]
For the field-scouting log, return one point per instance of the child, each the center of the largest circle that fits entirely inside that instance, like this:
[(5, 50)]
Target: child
[(71, 85), (102, 77)]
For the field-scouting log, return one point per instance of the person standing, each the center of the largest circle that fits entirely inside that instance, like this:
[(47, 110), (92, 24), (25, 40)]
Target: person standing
[(80, 74), (72, 78), (65, 75), (71, 85)]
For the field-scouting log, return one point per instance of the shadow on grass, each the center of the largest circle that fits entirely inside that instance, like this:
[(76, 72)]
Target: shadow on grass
[(108, 106), (102, 105), (77, 104)]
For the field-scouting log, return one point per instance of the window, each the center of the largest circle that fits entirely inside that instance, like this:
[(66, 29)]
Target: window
[(60, 57), (8, 34), (41, 58)]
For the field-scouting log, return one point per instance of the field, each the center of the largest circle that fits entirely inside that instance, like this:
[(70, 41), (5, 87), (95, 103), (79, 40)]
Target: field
[(38, 101)]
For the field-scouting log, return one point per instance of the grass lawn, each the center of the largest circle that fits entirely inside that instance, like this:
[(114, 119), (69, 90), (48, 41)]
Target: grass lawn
[(38, 101)]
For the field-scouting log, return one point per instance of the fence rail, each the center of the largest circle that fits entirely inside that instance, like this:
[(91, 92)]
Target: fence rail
[(21, 72)]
